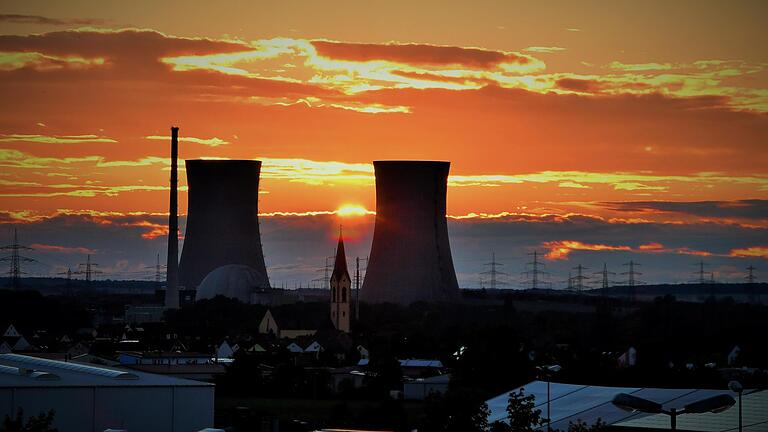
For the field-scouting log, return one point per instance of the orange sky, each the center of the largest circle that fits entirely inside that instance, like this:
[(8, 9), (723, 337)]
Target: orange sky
[(542, 107)]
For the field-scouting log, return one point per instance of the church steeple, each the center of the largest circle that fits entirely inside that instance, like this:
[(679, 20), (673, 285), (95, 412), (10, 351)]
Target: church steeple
[(341, 284), (340, 264)]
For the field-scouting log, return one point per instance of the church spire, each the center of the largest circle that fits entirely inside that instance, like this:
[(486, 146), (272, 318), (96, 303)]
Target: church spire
[(341, 286), (340, 265)]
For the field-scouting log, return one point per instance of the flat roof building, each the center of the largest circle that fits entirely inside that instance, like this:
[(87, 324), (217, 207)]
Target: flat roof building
[(96, 398), (588, 403)]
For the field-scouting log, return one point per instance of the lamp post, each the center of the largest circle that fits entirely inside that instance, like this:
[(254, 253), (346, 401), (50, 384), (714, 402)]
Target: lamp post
[(714, 404), (736, 387), (546, 372)]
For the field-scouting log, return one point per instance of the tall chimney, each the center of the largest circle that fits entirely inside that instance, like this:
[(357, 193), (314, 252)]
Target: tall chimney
[(172, 275)]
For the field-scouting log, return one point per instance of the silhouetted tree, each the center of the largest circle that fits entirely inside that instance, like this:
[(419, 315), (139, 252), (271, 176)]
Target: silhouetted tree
[(521, 415), (581, 426), (40, 423)]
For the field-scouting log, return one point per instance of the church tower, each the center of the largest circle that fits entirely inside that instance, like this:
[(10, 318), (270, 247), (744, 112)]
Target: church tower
[(341, 293)]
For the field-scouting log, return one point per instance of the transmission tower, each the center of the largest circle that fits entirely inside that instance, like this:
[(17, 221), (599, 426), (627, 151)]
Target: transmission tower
[(751, 279), (358, 282), (536, 272), (579, 278), (570, 282), (604, 276), (632, 279), (493, 273), (751, 275), (326, 269), (15, 258), (87, 269), (68, 286), (702, 278)]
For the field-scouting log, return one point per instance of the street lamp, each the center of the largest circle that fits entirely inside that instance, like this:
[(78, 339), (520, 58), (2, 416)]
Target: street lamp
[(714, 404), (546, 372), (736, 387)]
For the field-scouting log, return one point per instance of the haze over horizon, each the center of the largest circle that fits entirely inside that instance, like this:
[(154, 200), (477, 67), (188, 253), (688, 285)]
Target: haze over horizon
[(571, 128)]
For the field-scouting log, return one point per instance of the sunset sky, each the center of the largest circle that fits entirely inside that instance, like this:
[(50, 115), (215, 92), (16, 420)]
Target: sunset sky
[(590, 131)]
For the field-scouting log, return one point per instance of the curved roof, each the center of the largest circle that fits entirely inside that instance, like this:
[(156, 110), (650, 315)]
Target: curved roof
[(233, 280)]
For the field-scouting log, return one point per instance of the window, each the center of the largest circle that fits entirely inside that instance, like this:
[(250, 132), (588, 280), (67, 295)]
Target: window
[(343, 295)]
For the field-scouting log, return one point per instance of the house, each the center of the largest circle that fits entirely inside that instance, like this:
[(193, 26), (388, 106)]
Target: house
[(162, 358), (294, 348), (628, 358), (421, 388), (415, 368), (11, 332), (314, 347), (284, 325), (346, 378), (364, 353), (226, 351)]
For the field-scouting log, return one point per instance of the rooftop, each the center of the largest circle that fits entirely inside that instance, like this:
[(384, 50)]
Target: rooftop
[(25, 371), (572, 402)]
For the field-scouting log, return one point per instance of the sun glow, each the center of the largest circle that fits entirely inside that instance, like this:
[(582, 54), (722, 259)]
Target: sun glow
[(351, 210)]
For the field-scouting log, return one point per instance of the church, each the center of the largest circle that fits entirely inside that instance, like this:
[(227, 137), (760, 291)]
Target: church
[(341, 289)]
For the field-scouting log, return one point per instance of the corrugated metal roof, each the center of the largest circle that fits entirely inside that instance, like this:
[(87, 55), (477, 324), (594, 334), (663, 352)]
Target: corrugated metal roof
[(571, 402), (754, 417), (22, 371)]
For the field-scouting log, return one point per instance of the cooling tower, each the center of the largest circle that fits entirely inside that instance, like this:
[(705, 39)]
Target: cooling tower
[(222, 220), (410, 256)]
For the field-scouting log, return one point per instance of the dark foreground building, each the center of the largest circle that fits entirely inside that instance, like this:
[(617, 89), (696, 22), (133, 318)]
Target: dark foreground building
[(411, 256), (222, 221)]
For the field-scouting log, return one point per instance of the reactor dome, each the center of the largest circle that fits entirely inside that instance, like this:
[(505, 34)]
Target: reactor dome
[(233, 280)]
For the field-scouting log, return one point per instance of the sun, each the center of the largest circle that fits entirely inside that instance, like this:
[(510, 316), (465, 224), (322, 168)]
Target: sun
[(350, 210)]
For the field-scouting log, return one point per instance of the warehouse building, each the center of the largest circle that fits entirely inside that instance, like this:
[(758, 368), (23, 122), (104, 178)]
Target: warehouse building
[(90, 398)]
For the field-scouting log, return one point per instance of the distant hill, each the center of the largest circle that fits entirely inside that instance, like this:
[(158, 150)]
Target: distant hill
[(740, 292)]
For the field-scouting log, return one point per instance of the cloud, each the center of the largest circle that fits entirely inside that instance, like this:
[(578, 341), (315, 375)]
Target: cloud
[(751, 252), (579, 85), (418, 54), (133, 48), (56, 139), (746, 209), (296, 243), (544, 49), (62, 249), (42, 20), (640, 66), (211, 142), (561, 249)]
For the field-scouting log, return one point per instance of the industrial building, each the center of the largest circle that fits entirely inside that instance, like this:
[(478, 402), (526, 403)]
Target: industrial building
[(569, 403), (222, 253), (411, 255), (90, 398)]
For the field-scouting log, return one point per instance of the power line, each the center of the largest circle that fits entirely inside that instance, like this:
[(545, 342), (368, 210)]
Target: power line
[(68, 286), (701, 273), (752, 291), (87, 269), (751, 275), (327, 271), (493, 273), (358, 280), (536, 273), (632, 280), (15, 272), (604, 280), (579, 278)]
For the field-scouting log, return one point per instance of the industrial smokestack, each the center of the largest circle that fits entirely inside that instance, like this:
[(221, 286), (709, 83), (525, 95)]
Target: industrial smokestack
[(172, 275), (222, 222), (410, 255)]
